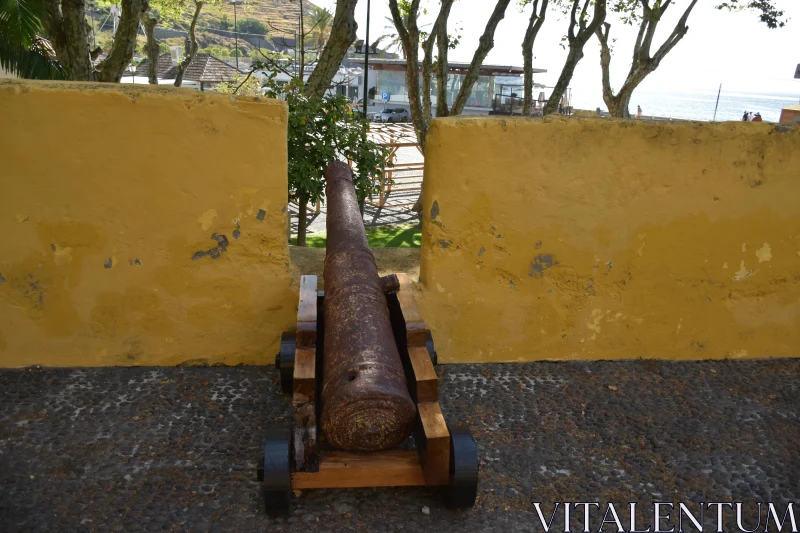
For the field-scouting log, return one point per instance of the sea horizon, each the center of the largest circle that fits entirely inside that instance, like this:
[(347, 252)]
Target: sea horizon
[(699, 104)]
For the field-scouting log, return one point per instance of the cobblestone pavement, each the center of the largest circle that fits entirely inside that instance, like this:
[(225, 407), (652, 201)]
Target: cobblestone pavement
[(174, 449)]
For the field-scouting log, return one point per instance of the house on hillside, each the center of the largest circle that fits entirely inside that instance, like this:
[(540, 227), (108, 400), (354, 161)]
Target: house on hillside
[(204, 72)]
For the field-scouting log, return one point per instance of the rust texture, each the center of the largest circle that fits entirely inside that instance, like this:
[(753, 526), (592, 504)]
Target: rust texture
[(365, 401), (390, 283)]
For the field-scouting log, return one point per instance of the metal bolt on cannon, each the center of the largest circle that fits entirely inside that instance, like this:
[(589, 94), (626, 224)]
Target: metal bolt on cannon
[(360, 370)]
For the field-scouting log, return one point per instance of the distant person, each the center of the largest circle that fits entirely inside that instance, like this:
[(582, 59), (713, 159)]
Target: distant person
[(638, 111), (599, 111), (757, 118), (746, 116)]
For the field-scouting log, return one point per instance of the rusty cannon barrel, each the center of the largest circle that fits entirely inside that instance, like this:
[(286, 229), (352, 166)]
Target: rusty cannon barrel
[(365, 401)]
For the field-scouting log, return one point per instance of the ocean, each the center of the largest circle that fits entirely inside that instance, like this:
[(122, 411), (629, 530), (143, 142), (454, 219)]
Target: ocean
[(699, 105)]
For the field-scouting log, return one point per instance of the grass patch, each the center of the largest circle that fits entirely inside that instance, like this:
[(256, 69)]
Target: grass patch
[(404, 236)]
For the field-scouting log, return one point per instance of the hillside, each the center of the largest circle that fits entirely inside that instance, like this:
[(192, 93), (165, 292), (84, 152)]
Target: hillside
[(279, 20)]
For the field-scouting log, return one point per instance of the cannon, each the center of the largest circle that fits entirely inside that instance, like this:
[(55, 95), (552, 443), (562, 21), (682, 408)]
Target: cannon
[(360, 369)]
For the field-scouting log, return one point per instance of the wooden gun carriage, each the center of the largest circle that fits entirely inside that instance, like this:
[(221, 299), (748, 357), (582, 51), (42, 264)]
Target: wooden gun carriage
[(301, 455)]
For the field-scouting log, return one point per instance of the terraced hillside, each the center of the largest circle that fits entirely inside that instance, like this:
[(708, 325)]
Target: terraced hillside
[(265, 24)]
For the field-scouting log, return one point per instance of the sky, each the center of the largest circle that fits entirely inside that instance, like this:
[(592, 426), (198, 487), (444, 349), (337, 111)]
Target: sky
[(734, 49)]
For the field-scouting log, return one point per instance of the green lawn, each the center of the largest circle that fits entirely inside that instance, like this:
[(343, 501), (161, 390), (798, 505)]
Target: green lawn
[(378, 237)]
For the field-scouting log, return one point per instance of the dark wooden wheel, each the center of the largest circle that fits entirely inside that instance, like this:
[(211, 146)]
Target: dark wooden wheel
[(275, 472), (463, 488), (284, 361)]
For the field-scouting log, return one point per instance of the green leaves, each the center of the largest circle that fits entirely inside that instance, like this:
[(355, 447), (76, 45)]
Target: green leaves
[(253, 26), (767, 12), (20, 21), (323, 130)]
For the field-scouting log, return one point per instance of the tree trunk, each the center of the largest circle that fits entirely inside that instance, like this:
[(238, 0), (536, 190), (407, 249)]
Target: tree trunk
[(152, 49), (617, 104), (343, 33), (443, 45), (485, 45), (418, 116), (427, 72), (198, 6), (410, 40), (302, 219), (616, 107), (624, 104), (69, 34), (302, 37), (574, 56), (576, 44), (534, 25), (642, 63), (118, 59)]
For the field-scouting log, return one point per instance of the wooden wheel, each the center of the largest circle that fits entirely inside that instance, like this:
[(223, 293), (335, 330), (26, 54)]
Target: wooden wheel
[(284, 361), (275, 473), (463, 488)]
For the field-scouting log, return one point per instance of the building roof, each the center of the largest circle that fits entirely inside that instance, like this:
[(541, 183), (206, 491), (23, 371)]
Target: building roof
[(452, 66), (203, 68)]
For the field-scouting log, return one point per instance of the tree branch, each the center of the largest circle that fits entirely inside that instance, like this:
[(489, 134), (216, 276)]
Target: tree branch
[(152, 48), (572, 21), (650, 21), (640, 36), (485, 45), (582, 20), (118, 59), (443, 46), (677, 34), (575, 54), (343, 33), (605, 63), (409, 37), (198, 6), (427, 67), (534, 25)]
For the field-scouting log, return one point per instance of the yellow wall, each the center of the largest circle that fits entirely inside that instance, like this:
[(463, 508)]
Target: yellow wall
[(791, 114), (597, 239), (108, 192)]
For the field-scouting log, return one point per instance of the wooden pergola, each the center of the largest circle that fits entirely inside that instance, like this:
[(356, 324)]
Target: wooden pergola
[(399, 177), (404, 178)]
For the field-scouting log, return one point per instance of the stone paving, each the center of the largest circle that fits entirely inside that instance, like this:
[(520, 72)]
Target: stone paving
[(174, 449)]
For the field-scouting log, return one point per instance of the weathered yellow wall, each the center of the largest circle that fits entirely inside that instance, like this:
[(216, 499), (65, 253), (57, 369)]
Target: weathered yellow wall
[(597, 239), (139, 180), (790, 115)]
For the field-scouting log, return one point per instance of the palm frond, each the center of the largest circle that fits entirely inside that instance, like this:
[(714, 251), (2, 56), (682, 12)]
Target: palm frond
[(20, 21), (35, 62)]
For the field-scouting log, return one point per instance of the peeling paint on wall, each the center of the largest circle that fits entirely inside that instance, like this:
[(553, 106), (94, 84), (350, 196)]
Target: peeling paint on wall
[(764, 253), (541, 263), (216, 251), (620, 256), (207, 219), (61, 304), (435, 210), (742, 273)]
